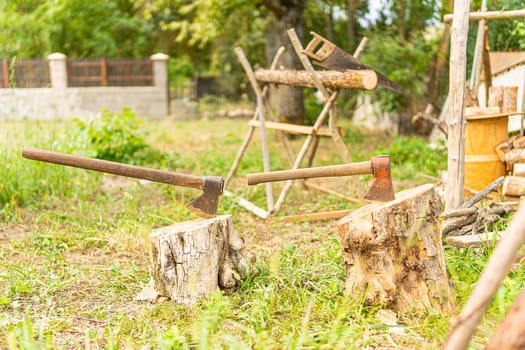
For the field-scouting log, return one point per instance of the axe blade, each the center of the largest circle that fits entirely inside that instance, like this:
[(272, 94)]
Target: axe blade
[(206, 204), (381, 188)]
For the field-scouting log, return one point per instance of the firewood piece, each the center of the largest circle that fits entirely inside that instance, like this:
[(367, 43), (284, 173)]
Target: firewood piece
[(516, 155), (477, 240), (514, 186), (518, 142), (349, 79), (192, 258), (510, 334), (502, 149), (519, 170), (457, 223), (459, 212), (483, 193), (393, 252)]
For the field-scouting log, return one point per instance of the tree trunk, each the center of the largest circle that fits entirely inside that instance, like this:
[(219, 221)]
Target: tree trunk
[(510, 335), (288, 14), (192, 258), (349, 79), (351, 24), (393, 253)]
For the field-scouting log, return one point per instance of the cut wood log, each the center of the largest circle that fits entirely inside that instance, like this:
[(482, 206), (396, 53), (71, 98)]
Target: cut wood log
[(519, 169), (192, 258), (510, 334), (350, 79), (513, 186), (518, 142), (393, 253), (515, 155)]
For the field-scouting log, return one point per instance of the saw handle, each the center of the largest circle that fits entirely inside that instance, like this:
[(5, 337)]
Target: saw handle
[(105, 166), (325, 171)]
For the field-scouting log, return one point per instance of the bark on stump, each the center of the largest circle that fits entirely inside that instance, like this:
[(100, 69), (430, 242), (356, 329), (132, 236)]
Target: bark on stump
[(393, 253), (192, 258)]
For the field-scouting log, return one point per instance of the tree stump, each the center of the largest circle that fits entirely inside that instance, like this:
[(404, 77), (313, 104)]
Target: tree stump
[(192, 258), (393, 253)]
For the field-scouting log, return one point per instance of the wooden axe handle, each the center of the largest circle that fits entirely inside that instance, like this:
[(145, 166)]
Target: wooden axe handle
[(325, 171), (115, 168)]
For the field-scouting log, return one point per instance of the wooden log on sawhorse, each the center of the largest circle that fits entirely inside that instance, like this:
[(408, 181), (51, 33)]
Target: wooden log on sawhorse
[(393, 253)]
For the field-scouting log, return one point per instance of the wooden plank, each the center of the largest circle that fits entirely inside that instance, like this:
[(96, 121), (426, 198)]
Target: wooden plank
[(481, 111), (476, 16), (319, 216), (293, 128), (478, 240), (246, 204)]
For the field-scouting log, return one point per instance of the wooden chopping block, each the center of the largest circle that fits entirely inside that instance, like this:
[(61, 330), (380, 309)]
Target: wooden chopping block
[(191, 259), (393, 253)]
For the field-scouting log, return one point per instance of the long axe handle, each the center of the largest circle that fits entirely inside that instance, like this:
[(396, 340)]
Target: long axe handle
[(381, 188), (115, 168), (325, 171)]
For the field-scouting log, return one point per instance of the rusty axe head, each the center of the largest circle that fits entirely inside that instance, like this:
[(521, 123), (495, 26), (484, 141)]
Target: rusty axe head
[(381, 188), (206, 204)]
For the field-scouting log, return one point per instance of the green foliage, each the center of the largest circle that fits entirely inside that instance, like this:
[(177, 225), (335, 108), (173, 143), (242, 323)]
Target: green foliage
[(118, 137), (410, 155), (404, 63), (97, 28)]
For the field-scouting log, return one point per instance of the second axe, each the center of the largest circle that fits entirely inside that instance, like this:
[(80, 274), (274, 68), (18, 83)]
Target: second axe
[(381, 188)]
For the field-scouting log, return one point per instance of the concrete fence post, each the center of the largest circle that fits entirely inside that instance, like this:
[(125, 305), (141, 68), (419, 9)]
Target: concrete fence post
[(58, 70), (160, 75)]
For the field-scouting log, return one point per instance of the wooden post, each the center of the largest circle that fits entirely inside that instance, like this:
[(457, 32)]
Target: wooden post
[(192, 258), (5, 71), (510, 334), (497, 268), (103, 72), (478, 54), (456, 121), (393, 253)]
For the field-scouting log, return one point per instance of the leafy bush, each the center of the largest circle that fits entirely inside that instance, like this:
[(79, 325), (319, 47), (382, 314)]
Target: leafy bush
[(115, 137)]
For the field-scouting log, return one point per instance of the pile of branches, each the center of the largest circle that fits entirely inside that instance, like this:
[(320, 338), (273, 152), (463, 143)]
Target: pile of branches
[(469, 219), (472, 220)]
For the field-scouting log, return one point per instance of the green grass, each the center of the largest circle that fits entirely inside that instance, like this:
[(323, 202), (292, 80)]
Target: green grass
[(74, 252)]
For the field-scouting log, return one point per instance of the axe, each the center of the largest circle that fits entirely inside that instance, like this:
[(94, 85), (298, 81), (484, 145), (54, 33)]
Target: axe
[(205, 205), (380, 190)]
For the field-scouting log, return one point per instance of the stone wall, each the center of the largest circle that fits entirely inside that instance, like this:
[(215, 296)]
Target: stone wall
[(62, 102)]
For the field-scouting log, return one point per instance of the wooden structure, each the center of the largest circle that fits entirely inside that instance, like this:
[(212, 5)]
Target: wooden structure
[(456, 130), (328, 83), (192, 258), (393, 253)]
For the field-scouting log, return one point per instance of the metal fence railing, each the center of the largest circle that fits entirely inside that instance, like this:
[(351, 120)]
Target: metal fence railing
[(109, 72), (24, 73), (80, 72)]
